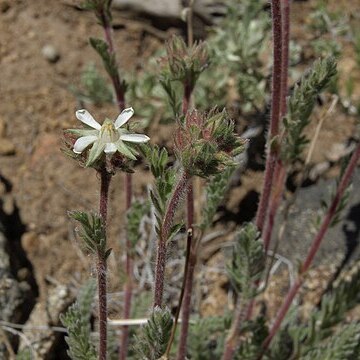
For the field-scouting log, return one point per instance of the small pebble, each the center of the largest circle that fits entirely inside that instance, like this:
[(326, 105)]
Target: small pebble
[(50, 53), (6, 147)]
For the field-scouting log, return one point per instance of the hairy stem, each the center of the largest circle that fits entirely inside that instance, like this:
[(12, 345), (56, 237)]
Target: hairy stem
[(190, 269), (280, 177), (168, 220), (101, 270), (186, 309), (120, 100), (275, 113), (285, 54), (314, 248), (128, 271), (187, 263), (115, 78), (279, 170), (233, 338)]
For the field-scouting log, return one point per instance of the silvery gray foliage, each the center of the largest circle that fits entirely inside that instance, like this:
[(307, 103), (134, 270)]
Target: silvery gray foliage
[(343, 345), (154, 336), (92, 232), (248, 261), (77, 322), (301, 104), (94, 88), (235, 50), (215, 190)]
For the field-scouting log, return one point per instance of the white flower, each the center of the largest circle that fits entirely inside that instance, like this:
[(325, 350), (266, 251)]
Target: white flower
[(108, 137)]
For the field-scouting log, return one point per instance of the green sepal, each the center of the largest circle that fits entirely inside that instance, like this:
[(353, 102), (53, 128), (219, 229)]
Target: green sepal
[(95, 153), (123, 149), (82, 132)]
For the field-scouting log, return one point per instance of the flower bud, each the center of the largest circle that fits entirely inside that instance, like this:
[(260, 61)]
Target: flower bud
[(206, 143)]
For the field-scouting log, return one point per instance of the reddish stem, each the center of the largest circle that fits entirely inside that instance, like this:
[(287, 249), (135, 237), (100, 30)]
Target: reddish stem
[(232, 341), (285, 54), (186, 98), (189, 279), (275, 113), (168, 220), (280, 176), (101, 277), (189, 275), (279, 171), (105, 178), (314, 247), (188, 262), (120, 100), (128, 270), (115, 78)]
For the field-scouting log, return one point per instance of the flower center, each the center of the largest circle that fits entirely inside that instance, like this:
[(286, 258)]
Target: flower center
[(108, 133)]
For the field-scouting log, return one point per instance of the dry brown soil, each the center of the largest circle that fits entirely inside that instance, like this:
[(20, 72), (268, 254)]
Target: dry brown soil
[(36, 106)]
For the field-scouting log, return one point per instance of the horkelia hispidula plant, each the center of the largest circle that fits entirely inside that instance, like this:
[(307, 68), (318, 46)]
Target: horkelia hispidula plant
[(110, 150), (110, 139), (205, 144)]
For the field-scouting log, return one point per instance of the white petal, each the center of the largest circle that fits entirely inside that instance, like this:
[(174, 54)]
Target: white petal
[(110, 148), (82, 143), (135, 138), (124, 117), (85, 117)]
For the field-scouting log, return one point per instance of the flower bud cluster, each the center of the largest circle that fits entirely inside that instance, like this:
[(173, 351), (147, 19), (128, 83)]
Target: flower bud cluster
[(186, 63), (206, 143)]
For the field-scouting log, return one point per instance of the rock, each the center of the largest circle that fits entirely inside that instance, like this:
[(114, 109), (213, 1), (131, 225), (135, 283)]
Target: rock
[(6, 147), (15, 296), (338, 151), (341, 243), (172, 9), (50, 53), (160, 8), (17, 293), (318, 169), (43, 343)]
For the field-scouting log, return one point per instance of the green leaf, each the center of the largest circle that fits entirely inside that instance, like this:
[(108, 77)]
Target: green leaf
[(92, 232), (154, 336), (248, 261), (102, 48), (77, 322), (174, 230), (301, 104), (344, 345), (215, 190)]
